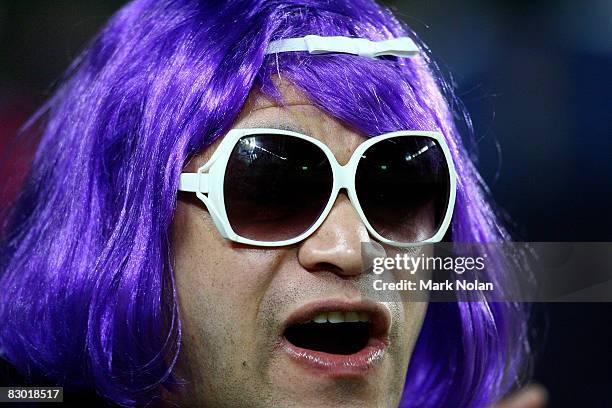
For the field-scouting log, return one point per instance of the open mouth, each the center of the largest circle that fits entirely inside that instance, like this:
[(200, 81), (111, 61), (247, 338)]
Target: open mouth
[(335, 332), (337, 337)]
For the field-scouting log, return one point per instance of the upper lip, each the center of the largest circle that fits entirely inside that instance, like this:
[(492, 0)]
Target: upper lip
[(380, 317)]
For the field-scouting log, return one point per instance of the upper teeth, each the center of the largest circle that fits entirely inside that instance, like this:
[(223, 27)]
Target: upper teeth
[(340, 317)]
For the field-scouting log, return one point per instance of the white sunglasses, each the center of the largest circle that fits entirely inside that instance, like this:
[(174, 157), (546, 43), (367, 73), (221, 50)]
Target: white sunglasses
[(272, 187)]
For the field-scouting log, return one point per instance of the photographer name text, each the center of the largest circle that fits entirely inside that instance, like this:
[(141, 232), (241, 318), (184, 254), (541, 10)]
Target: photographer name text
[(430, 285)]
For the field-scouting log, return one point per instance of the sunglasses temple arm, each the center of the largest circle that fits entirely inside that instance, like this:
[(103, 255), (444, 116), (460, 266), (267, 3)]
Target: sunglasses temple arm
[(193, 182)]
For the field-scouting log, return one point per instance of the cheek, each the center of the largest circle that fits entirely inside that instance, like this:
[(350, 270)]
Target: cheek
[(405, 338), (219, 286), (205, 263), (415, 315)]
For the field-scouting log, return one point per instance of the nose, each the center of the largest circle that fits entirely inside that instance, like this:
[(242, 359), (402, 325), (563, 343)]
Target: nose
[(336, 245)]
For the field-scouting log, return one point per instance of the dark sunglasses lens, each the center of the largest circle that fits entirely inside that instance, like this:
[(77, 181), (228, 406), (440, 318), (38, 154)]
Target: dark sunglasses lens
[(275, 186), (403, 187)]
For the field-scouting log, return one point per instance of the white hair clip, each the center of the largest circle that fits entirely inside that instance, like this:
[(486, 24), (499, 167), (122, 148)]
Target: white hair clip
[(314, 44)]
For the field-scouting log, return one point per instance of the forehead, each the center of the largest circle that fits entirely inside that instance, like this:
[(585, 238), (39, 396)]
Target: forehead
[(290, 93), (298, 114)]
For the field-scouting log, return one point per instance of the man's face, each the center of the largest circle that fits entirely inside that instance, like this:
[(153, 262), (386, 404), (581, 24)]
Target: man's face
[(247, 341)]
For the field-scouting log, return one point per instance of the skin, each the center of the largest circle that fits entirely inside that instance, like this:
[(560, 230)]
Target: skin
[(234, 298), (532, 396)]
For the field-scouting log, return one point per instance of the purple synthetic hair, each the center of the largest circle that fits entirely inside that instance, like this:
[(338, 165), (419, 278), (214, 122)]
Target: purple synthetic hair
[(88, 298)]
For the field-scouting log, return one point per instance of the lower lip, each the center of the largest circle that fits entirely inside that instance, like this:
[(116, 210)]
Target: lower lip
[(358, 364)]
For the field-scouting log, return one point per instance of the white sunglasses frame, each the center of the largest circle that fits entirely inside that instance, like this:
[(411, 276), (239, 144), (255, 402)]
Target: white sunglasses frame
[(207, 184)]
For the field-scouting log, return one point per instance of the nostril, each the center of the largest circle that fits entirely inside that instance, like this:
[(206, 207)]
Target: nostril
[(326, 267), (340, 261)]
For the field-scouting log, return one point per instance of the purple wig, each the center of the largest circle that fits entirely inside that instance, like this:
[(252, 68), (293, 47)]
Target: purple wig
[(88, 298)]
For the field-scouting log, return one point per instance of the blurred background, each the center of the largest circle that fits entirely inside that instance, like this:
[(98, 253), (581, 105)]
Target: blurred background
[(535, 77)]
